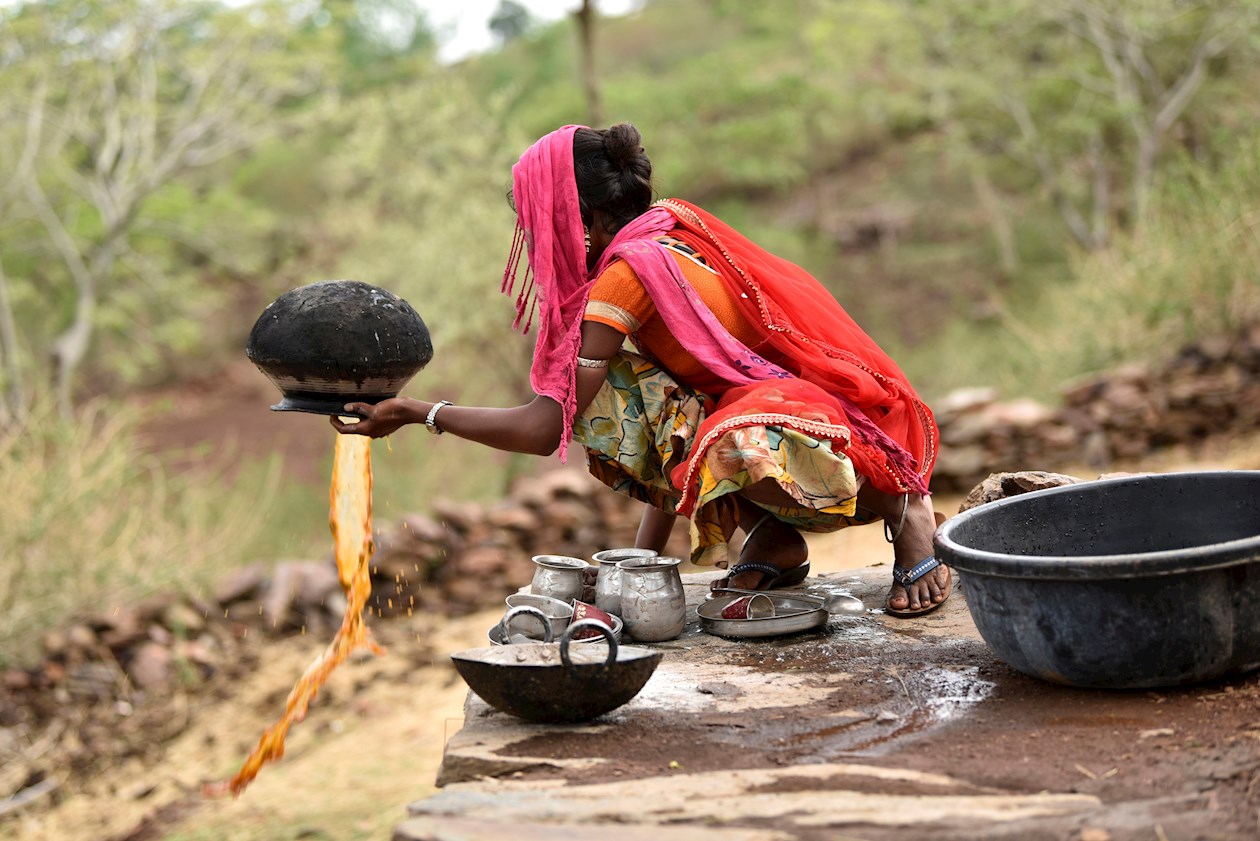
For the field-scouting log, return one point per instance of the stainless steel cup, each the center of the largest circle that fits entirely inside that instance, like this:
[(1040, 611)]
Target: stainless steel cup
[(653, 606), (608, 579), (558, 576)]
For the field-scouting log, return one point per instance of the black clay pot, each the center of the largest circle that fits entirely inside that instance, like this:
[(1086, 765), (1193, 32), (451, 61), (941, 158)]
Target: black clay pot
[(336, 342)]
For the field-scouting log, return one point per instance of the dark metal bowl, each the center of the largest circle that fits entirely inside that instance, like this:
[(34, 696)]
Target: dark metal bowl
[(549, 683), (1124, 583), (336, 342)]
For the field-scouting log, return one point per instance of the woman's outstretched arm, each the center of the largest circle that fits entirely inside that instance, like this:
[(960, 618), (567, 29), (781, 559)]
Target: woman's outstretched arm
[(534, 427)]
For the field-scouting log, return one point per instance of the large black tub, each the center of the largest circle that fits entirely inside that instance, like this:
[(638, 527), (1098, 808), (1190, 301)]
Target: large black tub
[(1126, 583)]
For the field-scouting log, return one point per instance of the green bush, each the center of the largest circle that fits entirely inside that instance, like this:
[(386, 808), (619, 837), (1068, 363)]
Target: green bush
[(88, 522), (1190, 270)]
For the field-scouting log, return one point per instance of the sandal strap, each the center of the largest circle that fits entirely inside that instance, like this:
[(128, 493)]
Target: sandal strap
[(754, 566), (906, 577)]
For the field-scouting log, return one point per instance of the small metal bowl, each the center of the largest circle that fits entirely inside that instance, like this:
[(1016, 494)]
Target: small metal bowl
[(499, 636), (558, 613)]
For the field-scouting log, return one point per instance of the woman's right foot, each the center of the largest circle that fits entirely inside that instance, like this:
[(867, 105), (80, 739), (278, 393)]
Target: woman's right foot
[(771, 542)]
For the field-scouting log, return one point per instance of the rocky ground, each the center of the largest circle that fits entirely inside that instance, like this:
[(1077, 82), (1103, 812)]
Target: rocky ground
[(133, 767), (112, 734)]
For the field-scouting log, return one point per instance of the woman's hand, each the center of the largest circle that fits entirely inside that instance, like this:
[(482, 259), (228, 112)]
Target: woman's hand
[(383, 418)]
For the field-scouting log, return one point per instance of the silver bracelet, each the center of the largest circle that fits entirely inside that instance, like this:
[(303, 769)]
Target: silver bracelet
[(891, 534), (592, 363), (431, 420)]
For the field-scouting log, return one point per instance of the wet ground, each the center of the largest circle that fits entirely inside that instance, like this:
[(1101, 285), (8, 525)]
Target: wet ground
[(874, 728)]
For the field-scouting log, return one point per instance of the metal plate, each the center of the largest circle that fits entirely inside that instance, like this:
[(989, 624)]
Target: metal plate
[(794, 614)]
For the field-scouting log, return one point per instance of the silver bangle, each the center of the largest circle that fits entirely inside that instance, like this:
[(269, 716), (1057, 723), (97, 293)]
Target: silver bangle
[(891, 534), (592, 363), (431, 420)]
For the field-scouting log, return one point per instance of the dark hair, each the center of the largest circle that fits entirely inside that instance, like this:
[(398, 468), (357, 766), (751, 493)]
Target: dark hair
[(614, 175)]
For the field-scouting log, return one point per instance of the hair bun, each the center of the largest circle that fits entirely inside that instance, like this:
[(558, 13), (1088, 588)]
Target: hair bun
[(624, 145)]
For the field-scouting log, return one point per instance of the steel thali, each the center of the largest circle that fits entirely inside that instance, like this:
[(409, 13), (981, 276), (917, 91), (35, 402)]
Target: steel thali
[(793, 614)]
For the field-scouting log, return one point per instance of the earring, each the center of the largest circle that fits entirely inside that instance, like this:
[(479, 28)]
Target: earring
[(586, 234)]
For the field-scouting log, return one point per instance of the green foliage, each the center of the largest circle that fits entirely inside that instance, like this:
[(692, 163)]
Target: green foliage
[(89, 522), (430, 221), (510, 21), (106, 111), (1188, 273)]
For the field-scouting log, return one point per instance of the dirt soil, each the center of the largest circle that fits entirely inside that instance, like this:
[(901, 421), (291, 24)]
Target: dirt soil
[(373, 740)]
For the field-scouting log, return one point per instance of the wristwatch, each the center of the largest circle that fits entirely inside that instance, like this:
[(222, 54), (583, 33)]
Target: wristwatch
[(431, 420)]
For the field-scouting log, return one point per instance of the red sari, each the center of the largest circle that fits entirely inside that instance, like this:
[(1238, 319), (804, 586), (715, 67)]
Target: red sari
[(842, 378)]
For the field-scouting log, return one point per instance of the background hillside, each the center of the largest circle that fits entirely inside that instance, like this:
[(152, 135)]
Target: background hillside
[(1010, 194)]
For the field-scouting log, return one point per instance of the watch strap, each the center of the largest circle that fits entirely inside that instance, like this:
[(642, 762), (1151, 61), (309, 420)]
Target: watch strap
[(431, 421)]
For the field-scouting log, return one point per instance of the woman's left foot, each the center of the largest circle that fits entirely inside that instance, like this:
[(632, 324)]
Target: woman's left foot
[(912, 547)]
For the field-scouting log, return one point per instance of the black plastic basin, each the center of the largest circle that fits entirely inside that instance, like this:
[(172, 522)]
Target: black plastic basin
[(1125, 583)]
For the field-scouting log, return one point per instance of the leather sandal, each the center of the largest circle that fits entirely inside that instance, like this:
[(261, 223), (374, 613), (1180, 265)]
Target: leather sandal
[(774, 579)]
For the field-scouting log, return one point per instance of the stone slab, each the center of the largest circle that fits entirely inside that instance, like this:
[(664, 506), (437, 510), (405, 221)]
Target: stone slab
[(852, 731)]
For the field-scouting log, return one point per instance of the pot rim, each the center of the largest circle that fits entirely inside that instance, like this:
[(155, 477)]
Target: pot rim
[(542, 603), (650, 563), (629, 552), (1095, 568), (559, 562)]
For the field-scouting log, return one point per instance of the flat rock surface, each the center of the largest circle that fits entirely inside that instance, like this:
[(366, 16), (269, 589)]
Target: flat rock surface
[(872, 727)]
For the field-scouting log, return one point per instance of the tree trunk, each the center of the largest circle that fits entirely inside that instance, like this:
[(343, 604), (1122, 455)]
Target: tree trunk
[(69, 350), (590, 80), (12, 400), (71, 347), (996, 215), (1102, 192), (1144, 175)]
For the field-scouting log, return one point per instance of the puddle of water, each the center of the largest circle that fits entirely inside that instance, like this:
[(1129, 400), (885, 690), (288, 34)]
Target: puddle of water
[(948, 693)]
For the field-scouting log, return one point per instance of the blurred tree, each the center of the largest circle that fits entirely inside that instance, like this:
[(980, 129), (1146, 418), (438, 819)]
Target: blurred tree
[(585, 17), (118, 99), (1084, 93), (1156, 56), (510, 21), (379, 41)]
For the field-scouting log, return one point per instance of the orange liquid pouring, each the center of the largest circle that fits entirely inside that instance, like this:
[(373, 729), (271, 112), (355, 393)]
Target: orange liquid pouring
[(351, 519)]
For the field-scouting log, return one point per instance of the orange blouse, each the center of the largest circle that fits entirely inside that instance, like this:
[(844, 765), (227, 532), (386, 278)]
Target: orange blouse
[(619, 300)]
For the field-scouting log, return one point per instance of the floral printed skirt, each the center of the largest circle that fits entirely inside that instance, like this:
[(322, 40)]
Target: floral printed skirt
[(643, 424)]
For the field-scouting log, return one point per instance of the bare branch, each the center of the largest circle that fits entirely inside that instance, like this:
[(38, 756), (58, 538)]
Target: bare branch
[(1018, 111), (30, 147), (61, 238), (1177, 98), (12, 400), (111, 145), (1135, 56)]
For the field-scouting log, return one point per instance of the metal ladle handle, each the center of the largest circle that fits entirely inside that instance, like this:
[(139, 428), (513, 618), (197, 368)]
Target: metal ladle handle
[(528, 611), (567, 637)]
